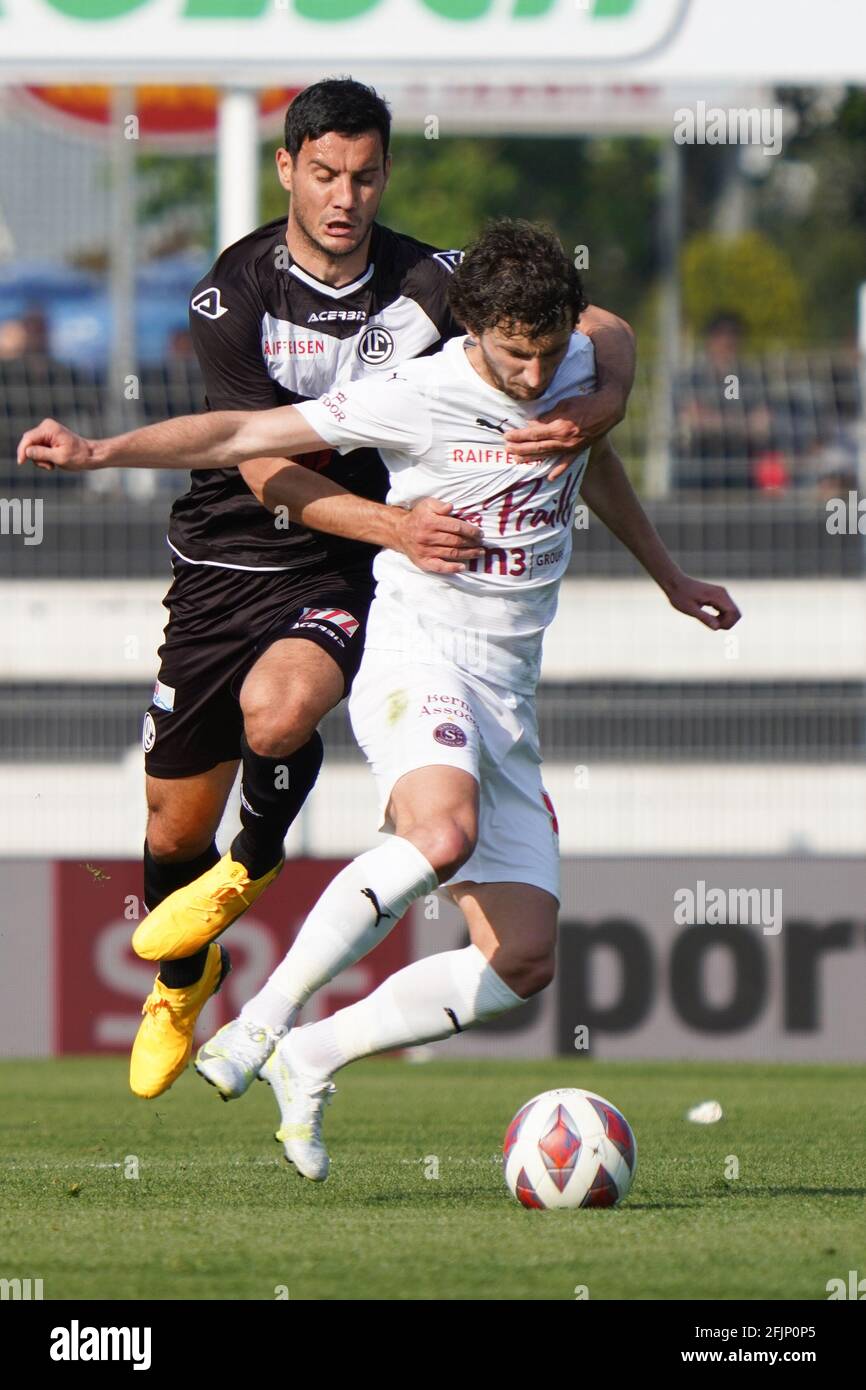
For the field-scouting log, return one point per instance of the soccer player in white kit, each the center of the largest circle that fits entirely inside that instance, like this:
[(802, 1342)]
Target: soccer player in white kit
[(444, 702)]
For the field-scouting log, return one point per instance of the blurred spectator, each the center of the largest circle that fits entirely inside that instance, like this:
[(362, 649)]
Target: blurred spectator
[(171, 387), (771, 471), (833, 466), (722, 420), (180, 348), (32, 386), (765, 422), (25, 337), (13, 340)]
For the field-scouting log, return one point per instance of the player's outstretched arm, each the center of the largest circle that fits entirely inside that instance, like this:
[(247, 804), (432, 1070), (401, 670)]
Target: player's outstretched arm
[(432, 540), (220, 439), (575, 423), (615, 349), (607, 490)]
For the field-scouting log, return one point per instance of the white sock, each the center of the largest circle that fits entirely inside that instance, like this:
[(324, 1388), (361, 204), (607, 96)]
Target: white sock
[(430, 999), (343, 926)]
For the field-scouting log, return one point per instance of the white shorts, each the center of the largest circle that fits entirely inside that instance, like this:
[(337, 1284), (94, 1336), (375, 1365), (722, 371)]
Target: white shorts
[(406, 715)]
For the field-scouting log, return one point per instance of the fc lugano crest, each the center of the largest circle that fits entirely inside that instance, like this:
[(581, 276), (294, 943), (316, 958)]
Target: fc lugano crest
[(375, 345)]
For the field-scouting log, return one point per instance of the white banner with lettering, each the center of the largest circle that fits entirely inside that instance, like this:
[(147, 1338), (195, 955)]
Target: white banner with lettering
[(494, 40)]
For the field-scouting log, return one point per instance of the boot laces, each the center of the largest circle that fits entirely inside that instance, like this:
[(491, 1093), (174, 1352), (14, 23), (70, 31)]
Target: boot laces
[(154, 1003), (224, 894), (314, 1107)]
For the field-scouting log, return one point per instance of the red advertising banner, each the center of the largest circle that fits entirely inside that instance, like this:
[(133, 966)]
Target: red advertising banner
[(100, 984)]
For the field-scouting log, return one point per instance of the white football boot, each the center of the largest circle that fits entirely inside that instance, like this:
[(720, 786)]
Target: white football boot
[(302, 1100), (232, 1059)]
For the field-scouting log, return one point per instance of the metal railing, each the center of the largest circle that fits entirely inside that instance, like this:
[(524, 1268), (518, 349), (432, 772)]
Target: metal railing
[(771, 522), (580, 722)]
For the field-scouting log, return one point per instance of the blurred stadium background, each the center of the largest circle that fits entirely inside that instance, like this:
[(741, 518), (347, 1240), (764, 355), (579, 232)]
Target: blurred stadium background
[(673, 756)]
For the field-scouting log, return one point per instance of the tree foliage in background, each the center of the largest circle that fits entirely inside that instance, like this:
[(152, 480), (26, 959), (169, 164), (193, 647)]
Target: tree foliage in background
[(803, 263), (594, 193), (825, 235), (177, 200), (745, 275), (440, 191)]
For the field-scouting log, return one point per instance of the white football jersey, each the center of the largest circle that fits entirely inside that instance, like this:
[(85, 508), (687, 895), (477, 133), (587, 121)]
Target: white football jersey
[(438, 427)]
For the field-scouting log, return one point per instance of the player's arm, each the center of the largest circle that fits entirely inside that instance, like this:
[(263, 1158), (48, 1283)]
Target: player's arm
[(219, 439), (579, 421), (607, 490), (426, 534), (613, 341), (381, 412), (385, 412)]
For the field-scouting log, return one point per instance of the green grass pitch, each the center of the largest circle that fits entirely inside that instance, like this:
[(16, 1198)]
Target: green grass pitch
[(216, 1213)]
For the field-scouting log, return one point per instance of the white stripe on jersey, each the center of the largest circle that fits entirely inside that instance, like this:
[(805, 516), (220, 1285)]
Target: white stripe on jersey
[(341, 291), (224, 565)]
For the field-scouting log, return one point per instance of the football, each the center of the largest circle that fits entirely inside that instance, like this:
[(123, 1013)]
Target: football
[(569, 1148)]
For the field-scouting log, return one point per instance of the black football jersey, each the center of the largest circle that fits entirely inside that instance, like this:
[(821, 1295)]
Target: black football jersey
[(268, 333)]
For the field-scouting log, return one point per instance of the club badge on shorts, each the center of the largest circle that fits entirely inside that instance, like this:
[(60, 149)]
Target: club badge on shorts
[(148, 732), (450, 734)]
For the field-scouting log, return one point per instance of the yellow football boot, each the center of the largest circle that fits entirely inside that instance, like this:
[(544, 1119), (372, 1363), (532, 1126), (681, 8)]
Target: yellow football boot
[(163, 1043), (192, 916)]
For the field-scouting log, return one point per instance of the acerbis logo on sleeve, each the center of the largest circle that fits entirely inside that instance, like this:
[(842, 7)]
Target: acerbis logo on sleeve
[(209, 304)]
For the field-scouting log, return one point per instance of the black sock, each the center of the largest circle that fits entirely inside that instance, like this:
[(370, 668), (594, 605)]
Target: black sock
[(273, 790), (162, 877)]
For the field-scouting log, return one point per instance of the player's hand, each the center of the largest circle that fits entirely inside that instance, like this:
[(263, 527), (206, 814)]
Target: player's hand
[(52, 445), (569, 428), (435, 541), (693, 597)]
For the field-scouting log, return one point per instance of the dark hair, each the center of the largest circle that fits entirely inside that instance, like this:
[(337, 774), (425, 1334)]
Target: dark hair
[(516, 273), (340, 104), (728, 320)]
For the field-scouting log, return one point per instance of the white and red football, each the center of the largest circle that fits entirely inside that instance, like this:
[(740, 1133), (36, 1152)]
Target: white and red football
[(569, 1148)]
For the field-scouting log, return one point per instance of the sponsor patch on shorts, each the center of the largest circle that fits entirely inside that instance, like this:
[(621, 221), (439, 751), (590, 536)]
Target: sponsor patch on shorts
[(338, 616), (450, 735), (163, 696)]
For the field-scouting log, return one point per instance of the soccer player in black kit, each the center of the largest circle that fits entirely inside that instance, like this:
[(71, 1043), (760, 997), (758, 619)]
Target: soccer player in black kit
[(266, 620)]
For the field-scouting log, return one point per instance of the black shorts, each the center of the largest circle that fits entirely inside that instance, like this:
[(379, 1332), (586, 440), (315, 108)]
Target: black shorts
[(220, 622)]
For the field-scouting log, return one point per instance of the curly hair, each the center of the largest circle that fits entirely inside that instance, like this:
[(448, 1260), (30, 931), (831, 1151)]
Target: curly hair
[(516, 273)]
